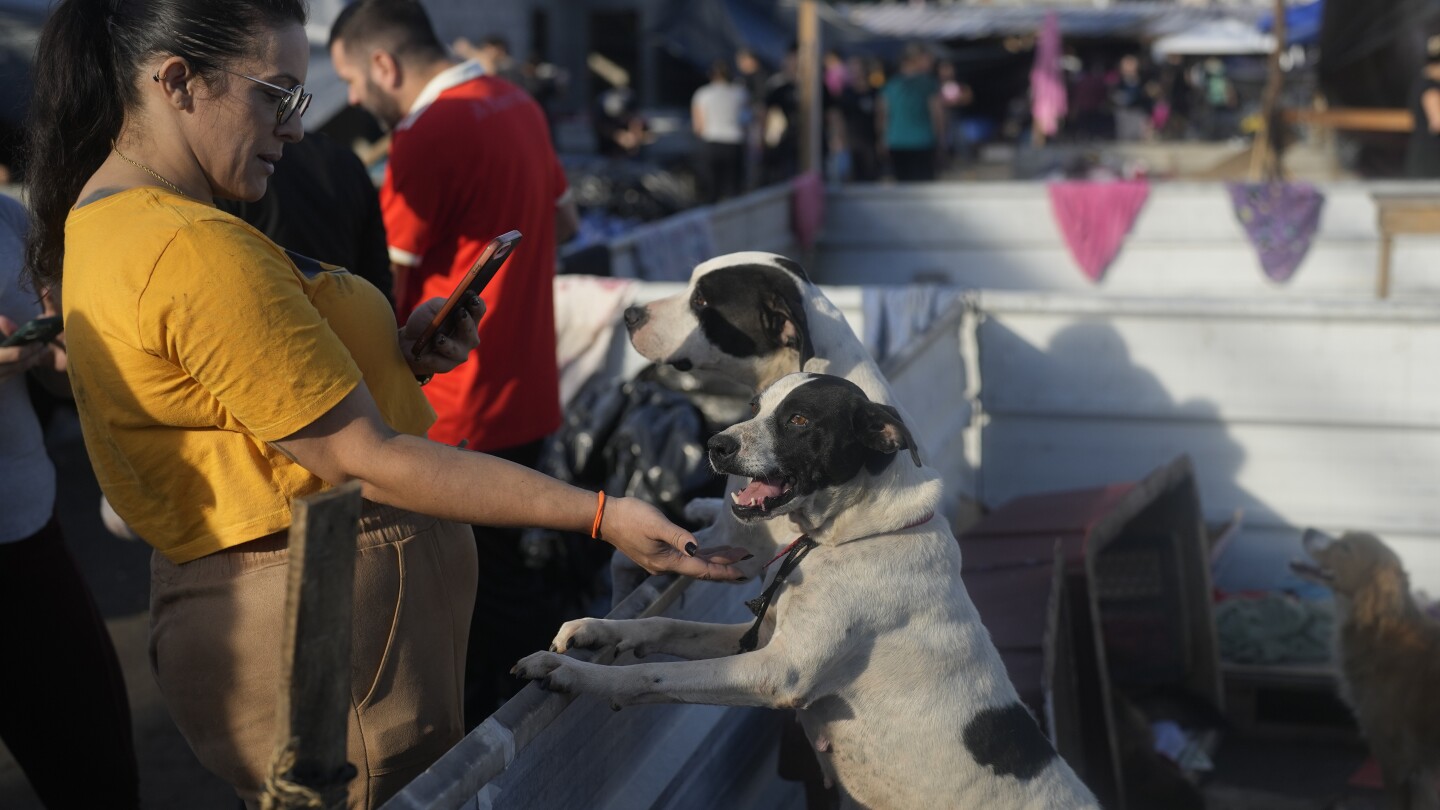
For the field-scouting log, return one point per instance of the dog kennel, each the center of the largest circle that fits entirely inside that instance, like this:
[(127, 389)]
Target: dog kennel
[(1094, 594)]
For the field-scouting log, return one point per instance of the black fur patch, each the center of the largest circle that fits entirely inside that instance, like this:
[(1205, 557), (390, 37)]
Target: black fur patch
[(828, 449), (1008, 741), (742, 309)]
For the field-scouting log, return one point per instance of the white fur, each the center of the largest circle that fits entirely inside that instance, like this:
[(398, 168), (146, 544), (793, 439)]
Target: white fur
[(873, 639), (672, 331)]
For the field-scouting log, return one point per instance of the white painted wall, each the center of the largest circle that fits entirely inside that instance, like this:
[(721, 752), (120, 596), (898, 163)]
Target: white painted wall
[(1302, 413), (1186, 241)]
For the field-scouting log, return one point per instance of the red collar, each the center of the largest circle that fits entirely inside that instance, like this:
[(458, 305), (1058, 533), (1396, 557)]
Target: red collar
[(922, 521)]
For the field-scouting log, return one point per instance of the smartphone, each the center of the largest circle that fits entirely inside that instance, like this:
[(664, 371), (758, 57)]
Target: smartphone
[(492, 258), (40, 330)]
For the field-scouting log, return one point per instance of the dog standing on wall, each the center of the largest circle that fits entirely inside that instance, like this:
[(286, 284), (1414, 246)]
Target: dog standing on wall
[(872, 637), (1388, 653), (752, 317)]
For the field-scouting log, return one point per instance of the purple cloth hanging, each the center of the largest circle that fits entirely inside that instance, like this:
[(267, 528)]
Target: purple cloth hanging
[(1281, 220)]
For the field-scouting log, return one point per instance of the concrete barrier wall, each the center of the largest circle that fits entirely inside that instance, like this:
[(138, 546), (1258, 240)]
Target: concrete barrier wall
[(1186, 241)]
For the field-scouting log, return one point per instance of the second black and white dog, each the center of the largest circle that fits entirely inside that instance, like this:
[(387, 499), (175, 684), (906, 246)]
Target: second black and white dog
[(872, 636), (752, 317)]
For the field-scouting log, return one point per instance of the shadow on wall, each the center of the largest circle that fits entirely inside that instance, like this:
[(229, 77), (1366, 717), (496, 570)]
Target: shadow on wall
[(1080, 412)]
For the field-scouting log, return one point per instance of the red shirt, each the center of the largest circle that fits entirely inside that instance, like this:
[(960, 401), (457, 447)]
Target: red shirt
[(471, 161)]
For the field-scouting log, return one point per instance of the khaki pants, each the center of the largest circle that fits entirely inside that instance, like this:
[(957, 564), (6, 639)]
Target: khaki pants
[(215, 647)]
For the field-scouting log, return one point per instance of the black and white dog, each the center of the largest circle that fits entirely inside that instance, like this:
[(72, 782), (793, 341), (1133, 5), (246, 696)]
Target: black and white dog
[(873, 638), (753, 317)]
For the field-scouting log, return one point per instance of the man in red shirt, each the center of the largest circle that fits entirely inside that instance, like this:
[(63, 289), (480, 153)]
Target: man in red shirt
[(471, 158)]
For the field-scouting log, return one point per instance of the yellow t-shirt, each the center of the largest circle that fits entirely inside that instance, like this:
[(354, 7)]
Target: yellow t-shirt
[(194, 341)]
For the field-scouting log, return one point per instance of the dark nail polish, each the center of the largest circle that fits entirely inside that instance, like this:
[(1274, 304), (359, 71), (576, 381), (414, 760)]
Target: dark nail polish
[(743, 579), (747, 557), (691, 548)]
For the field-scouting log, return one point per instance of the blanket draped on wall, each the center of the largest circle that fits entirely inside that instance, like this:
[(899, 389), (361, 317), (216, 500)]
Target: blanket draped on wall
[(1280, 219), (1095, 217)]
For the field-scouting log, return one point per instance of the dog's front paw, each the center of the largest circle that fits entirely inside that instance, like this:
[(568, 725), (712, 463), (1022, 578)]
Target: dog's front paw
[(556, 673), (704, 511), (591, 634)]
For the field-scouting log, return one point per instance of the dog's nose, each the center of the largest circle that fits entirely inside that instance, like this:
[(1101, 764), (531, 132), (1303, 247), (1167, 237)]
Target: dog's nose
[(722, 446), (636, 316)]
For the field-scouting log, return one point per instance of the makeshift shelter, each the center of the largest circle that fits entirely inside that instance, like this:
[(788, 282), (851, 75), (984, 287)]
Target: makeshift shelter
[(1227, 37)]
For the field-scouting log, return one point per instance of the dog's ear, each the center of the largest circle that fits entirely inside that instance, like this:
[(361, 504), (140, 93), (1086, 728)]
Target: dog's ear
[(784, 319), (880, 429)]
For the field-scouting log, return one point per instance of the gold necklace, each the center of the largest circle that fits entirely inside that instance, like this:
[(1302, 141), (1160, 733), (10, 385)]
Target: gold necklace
[(142, 167)]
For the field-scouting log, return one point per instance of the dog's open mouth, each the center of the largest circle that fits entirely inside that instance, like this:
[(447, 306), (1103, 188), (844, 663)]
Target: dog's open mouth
[(762, 496), (1310, 571)]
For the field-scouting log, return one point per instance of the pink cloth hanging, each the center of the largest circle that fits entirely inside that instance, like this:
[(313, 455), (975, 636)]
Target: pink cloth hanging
[(1095, 217), (1047, 86), (807, 208)]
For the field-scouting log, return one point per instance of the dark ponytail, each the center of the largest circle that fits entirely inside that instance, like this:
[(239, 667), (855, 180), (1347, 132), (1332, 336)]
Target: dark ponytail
[(87, 66)]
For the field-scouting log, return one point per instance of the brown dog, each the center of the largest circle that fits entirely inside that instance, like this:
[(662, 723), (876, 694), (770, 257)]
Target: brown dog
[(1388, 653)]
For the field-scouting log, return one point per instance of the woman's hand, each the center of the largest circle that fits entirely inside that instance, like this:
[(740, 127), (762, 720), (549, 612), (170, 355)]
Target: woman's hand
[(447, 350), (16, 360), (640, 532)]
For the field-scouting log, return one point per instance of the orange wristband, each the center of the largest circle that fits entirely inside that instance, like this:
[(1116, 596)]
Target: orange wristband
[(599, 516)]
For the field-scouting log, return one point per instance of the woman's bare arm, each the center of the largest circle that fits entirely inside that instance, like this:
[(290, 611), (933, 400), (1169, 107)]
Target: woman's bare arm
[(352, 442)]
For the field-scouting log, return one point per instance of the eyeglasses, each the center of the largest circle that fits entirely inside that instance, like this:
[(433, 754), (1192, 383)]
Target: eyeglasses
[(293, 101)]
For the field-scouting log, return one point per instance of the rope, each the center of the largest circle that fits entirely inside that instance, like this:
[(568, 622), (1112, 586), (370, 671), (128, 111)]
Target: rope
[(281, 793)]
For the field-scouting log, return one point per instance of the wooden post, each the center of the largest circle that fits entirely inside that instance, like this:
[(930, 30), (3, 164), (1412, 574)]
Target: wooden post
[(309, 764), (808, 76), (1268, 162)]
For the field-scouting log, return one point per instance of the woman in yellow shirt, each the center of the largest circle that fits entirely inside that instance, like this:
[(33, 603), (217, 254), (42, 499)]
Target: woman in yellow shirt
[(217, 379)]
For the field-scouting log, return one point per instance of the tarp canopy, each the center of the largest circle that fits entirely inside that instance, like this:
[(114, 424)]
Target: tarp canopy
[(1217, 38), (1302, 23), (1140, 20)]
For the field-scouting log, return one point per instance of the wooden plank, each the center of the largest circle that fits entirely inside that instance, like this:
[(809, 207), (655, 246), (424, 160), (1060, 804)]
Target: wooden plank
[(1367, 119), (314, 701)]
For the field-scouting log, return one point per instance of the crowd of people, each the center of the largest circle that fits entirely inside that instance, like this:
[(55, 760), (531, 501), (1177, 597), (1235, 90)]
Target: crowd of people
[(218, 375), (910, 119), (1134, 99)]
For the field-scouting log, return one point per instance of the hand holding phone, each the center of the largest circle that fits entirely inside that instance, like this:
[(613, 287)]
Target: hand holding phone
[(491, 259), (39, 330)]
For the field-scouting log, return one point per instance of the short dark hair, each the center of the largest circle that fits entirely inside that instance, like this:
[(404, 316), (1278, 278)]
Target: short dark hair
[(720, 69), (400, 26), (497, 41)]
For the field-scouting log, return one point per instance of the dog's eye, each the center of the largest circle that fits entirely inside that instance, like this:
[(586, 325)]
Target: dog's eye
[(799, 421), (754, 406), (698, 300)]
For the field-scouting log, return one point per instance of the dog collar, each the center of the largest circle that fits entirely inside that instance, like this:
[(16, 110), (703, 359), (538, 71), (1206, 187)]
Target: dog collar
[(793, 554)]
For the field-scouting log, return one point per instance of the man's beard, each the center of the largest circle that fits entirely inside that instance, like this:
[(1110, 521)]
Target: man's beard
[(382, 105)]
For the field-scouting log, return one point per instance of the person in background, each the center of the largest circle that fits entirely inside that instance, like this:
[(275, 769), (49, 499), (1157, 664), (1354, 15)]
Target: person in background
[(1090, 103), (60, 675), (1221, 101), (911, 118), (718, 112), (494, 55), (322, 205), (1422, 152), (751, 75), (955, 99), (1177, 99), (1133, 103), (471, 158), (857, 109), (781, 124), (216, 381), (546, 83)]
